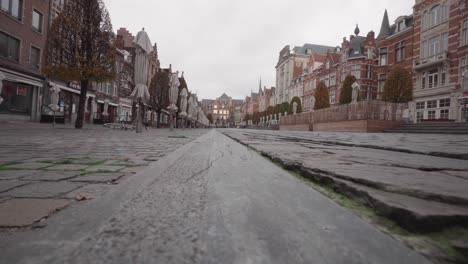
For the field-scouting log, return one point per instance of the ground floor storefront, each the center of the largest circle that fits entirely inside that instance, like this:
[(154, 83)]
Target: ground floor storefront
[(20, 96)]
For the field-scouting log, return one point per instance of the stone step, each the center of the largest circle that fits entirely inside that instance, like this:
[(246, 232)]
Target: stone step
[(427, 131), (411, 213)]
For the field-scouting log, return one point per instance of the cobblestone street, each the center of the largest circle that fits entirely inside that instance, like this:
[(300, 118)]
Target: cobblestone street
[(45, 169)]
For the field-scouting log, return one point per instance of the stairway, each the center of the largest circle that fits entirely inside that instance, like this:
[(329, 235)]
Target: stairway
[(432, 128)]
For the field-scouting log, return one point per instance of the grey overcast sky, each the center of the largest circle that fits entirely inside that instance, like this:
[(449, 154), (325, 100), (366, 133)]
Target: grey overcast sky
[(226, 45)]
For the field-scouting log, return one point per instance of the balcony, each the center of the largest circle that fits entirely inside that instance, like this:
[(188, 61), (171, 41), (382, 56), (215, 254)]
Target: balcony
[(430, 61)]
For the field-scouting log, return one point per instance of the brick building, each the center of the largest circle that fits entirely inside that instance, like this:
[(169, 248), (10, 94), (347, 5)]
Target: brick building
[(22, 44), (440, 60), (395, 47), (288, 61)]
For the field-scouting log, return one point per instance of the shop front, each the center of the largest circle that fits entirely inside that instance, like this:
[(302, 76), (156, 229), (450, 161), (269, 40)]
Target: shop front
[(20, 96)]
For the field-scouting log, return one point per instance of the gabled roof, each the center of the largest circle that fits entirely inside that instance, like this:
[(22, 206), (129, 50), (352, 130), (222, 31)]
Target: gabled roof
[(314, 48)]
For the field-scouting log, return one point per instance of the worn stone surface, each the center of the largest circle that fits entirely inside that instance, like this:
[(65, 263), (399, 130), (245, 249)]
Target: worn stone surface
[(23, 212), (90, 191), (51, 175), (408, 187), (42, 190), (32, 166), (68, 167), (7, 185), (15, 174), (104, 168), (98, 177)]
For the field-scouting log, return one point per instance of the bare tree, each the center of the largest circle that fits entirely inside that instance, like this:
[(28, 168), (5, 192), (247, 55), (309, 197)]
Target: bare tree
[(80, 47)]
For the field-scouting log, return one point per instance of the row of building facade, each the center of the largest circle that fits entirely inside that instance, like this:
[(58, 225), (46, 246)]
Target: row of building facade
[(431, 43), (25, 90)]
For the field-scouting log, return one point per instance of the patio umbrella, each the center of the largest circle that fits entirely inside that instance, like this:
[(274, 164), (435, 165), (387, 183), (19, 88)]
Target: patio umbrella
[(54, 98), (183, 103), (173, 90), (141, 94), (106, 108), (142, 49), (2, 76)]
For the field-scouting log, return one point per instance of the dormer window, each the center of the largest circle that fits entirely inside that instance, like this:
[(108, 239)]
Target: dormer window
[(309, 51), (401, 25)]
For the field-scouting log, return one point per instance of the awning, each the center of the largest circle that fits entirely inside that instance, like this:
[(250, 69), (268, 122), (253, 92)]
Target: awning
[(110, 103), (125, 105), (23, 79), (65, 88)]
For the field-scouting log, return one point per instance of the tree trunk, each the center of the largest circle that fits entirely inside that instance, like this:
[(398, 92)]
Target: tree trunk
[(80, 115), (134, 111), (158, 117)]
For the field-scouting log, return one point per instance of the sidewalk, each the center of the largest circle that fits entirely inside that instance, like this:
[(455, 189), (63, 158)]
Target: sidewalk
[(45, 169)]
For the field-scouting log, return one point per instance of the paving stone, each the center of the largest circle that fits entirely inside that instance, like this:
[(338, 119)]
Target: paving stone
[(152, 158), (24, 212), (15, 174), (86, 161), (104, 168), (90, 191), (68, 167), (98, 177), (131, 170), (51, 175), (42, 190), (8, 185), (110, 162), (32, 166)]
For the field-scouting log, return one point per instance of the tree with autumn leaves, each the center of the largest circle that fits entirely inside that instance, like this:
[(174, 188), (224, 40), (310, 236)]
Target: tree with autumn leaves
[(399, 86), (322, 97), (80, 47), (346, 95)]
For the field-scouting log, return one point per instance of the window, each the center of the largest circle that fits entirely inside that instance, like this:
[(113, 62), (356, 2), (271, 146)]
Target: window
[(464, 73), (370, 53), (9, 47), (444, 41), (12, 7), (443, 76), (431, 115), (382, 79), (215, 106), (332, 96), (35, 59), (464, 34), (444, 114), (444, 102), (434, 46), (400, 51), (420, 105), (435, 16), (423, 80), (401, 26), (369, 72), (432, 104), (37, 21), (419, 116), (433, 78), (17, 98), (343, 74), (215, 111), (383, 56), (333, 79), (356, 71)]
